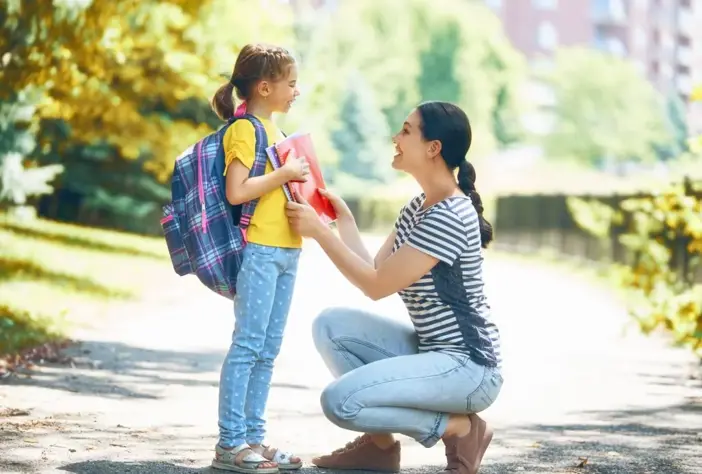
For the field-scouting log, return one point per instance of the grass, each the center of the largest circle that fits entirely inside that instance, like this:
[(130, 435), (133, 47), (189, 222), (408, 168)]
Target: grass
[(53, 276)]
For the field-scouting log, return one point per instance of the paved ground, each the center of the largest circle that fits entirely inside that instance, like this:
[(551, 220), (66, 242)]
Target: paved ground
[(141, 397)]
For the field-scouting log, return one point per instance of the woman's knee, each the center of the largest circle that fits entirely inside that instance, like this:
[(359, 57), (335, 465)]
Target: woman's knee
[(333, 399), (323, 325)]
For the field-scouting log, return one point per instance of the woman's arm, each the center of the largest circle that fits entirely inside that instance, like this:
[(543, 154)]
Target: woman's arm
[(394, 274), (349, 235), (385, 251)]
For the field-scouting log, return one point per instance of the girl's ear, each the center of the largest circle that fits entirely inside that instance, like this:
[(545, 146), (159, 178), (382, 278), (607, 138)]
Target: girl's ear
[(263, 88)]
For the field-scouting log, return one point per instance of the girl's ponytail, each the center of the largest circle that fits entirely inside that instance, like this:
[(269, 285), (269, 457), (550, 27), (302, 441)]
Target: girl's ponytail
[(223, 101)]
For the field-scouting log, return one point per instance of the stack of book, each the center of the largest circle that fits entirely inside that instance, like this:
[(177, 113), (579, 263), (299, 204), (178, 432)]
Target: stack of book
[(301, 144)]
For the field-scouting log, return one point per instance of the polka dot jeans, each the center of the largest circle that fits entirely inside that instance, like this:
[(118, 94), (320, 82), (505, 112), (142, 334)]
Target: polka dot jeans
[(264, 292)]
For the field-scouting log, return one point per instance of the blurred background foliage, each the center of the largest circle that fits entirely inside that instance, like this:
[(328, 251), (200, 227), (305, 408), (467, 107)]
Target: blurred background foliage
[(97, 98)]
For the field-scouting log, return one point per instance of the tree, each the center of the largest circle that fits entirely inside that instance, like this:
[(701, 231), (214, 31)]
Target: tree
[(124, 85), (363, 137), (676, 125), (663, 234), (437, 78), (17, 141), (403, 46), (605, 110)]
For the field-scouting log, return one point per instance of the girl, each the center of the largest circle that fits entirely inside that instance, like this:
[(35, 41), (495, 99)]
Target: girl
[(428, 381), (265, 78)]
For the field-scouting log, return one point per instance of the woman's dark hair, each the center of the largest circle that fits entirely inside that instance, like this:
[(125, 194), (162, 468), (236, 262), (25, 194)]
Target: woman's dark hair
[(449, 124), (256, 62)]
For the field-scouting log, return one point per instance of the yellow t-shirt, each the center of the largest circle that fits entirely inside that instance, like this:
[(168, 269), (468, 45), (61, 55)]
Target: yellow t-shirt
[(269, 224)]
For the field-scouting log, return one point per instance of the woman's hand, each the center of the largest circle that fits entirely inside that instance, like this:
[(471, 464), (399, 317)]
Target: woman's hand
[(304, 219), (342, 209)]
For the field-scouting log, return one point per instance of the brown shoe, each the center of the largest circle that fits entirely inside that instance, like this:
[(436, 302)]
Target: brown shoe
[(363, 455), (464, 455)]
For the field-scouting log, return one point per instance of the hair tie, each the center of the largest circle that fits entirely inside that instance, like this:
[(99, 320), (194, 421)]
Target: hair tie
[(241, 110)]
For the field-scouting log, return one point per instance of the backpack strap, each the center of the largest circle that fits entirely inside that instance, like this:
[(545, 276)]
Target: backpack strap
[(258, 168)]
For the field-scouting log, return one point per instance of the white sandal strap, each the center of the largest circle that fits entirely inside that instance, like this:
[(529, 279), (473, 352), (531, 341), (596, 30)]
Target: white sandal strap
[(254, 458), (281, 457), (237, 449)]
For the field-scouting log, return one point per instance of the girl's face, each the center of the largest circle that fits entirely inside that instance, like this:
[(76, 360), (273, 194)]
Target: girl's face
[(412, 152), (281, 94)]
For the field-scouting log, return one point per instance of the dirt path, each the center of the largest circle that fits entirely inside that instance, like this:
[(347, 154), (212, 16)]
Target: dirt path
[(141, 397)]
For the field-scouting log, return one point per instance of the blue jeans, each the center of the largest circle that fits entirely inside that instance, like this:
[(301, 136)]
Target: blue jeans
[(264, 292), (384, 385)]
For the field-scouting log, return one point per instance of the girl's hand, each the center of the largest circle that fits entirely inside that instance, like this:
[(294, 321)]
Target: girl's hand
[(304, 219), (342, 209), (296, 168)]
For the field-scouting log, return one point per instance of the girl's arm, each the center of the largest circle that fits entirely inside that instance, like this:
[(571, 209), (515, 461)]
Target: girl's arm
[(241, 188)]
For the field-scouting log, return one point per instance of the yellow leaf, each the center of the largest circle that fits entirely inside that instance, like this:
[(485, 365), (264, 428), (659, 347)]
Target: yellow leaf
[(696, 93), (695, 144)]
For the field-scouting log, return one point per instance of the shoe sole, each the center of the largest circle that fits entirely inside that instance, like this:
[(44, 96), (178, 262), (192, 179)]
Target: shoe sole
[(289, 467), (244, 470), (362, 469), (486, 434)]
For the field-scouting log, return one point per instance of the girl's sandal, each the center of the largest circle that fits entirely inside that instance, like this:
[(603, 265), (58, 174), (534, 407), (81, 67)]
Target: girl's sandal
[(286, 461), (243, 459)]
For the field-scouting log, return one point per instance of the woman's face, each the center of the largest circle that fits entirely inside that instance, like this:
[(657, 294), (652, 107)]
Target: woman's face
[(411, 150)]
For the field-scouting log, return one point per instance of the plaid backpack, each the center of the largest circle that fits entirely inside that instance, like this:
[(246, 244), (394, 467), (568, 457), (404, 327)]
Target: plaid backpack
[(205, 234)]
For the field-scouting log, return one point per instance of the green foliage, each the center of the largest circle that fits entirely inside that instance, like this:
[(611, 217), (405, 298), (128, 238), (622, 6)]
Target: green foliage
[(437, 79), (664, 233), (606, 111), (392, 43), (676, 123), (17, 181), (78, 273), (375, 214), (363, 136), (593, 216), (21, 329), (123, 87)]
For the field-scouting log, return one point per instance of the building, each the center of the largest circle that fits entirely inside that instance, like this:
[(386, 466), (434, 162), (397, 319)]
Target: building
[(659, 36)]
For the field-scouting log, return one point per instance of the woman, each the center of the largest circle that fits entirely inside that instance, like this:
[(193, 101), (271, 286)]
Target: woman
[(428, 382)]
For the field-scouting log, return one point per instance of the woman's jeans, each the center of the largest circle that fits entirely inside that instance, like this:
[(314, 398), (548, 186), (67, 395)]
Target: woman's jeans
[(385, 386), (264, 292)]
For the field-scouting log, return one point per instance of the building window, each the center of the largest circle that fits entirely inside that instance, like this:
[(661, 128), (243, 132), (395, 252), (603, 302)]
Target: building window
[(547, 35), (640, 39), (545, 4)]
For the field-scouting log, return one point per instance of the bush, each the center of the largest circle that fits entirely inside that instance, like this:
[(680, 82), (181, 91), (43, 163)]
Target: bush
[(21, 329), (375, 214), (663, 232)]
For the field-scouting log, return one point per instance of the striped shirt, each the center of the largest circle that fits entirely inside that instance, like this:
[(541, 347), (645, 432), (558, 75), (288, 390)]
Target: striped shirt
[(447, 305)]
